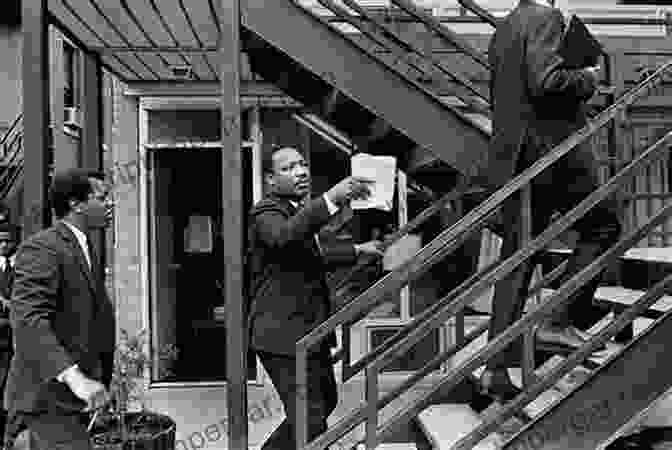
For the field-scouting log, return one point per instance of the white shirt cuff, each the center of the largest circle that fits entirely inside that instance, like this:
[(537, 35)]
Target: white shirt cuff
[(61, 376), (331, 207)]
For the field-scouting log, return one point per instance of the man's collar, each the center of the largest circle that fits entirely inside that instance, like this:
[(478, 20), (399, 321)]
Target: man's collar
[(79, 234)]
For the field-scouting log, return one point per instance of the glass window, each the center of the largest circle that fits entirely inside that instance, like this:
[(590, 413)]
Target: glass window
[(71, 76)]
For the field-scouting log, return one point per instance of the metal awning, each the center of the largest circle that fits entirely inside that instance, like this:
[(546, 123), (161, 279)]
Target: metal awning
[(145, 40)]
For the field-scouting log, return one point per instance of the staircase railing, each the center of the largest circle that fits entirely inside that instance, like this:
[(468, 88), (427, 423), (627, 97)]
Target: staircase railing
[(410, 61), (12, 156), (453, 303)]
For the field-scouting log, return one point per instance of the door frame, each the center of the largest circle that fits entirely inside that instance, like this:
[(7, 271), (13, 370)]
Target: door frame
[(145, 105)]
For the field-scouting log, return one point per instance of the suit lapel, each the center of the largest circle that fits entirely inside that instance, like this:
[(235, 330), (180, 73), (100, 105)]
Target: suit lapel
[(72, 242)]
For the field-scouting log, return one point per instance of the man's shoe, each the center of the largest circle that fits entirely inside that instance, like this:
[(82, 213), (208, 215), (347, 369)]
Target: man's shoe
[(560, 340), (497, 385)]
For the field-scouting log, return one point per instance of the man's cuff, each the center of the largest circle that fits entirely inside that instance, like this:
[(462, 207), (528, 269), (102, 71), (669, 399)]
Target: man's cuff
[(61, 376), (331, 207)]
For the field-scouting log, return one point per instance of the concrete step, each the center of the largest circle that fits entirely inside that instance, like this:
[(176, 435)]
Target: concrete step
[(391, 446), (446, 424), (638, 268)]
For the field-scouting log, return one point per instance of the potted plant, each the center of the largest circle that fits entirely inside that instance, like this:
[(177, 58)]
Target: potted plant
[(124, 426)]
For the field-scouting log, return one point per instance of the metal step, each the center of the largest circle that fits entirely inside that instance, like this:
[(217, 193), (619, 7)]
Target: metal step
[(445, 424), (312, 59), (616, 393)]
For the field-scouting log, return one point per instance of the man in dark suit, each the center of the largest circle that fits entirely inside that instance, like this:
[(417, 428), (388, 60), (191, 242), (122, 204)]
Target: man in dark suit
[(537, 102), (289, 295), (8, 240), (62, 319)]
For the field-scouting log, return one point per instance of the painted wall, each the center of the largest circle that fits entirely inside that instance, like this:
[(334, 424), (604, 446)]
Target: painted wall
[(10, 75)]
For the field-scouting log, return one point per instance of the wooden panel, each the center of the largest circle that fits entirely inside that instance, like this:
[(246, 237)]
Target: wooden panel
[(138, 65), (176, 20), (202, 19), (120, 21), (151, 22), (120, 70), (79, 29), (88, 15)]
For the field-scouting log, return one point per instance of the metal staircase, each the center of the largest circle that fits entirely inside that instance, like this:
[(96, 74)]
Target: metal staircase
[(11, 157), (372, 85), (447, 307)]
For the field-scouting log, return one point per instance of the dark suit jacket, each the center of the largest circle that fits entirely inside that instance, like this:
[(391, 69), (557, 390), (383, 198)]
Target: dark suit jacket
[(288, 290), (6, 282), (535, 101), (60, 315)]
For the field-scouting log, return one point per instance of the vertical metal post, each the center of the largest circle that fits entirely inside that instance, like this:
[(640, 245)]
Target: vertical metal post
[(36, 141), (232, 218), (525, 238), (301, 399), (459, 317), (371, 408)]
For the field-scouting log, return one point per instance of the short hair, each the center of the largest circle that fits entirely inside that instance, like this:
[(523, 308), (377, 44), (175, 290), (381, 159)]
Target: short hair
[(71, 184), (267, 160)]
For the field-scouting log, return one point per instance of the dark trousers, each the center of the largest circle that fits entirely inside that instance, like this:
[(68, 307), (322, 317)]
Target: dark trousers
[(57, 431), (5, 359), (558, 189), (322, 395)]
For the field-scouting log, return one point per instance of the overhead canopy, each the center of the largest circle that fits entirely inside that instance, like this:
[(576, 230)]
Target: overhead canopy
[(145, 40)]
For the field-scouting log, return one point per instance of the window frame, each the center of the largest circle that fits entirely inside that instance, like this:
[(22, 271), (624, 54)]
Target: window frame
[(145, 105)]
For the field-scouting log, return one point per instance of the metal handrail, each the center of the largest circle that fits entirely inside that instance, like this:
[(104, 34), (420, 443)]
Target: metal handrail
[(481, 12), (558, 299), (388, 284), (365, 360), (411, 226), (579, 355), (444, 33), (506, 267), (392, 35), (336, 9), (447, 241), (11, 129)]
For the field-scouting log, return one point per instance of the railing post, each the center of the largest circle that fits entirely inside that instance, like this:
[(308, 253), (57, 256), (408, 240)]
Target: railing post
[(459, 317), (371, 408), (525, 238), (301, 399)]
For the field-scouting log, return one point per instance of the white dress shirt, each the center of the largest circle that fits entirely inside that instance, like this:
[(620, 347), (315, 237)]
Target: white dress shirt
[(3, 262), (81, 238)]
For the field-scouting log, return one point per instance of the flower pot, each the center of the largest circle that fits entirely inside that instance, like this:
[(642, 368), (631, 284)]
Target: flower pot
[(144, 430)]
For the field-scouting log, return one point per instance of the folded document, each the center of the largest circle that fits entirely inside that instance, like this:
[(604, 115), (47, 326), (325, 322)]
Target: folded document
[(381, 169)]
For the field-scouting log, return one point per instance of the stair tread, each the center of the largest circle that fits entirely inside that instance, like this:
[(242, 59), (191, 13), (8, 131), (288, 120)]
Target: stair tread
[(461, 419), (397, 446), (623, 296), (650, 254)]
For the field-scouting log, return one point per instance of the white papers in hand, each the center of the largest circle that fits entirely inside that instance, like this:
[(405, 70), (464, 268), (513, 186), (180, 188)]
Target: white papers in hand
[(381, 169)]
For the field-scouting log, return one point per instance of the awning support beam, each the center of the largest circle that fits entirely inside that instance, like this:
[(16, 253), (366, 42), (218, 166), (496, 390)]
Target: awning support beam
[(36, 105), (233, 224)]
